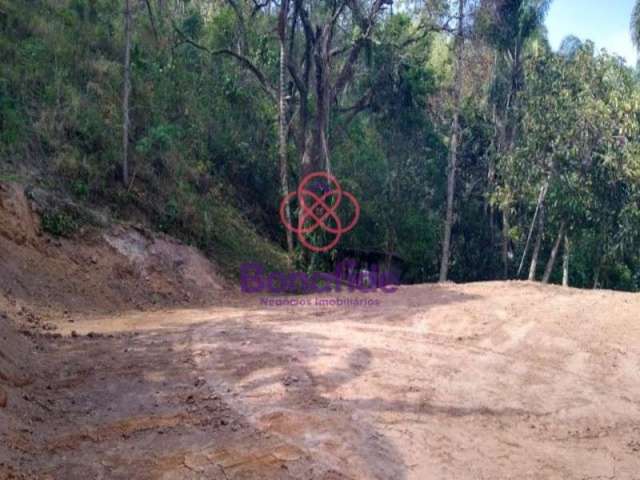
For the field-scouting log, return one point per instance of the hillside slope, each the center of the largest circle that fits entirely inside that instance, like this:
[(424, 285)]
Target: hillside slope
[(116, 267)]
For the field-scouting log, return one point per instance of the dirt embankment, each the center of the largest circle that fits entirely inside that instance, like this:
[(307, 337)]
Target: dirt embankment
[(48, 281), (119, 268)]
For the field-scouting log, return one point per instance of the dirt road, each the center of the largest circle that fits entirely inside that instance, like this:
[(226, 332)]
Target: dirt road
[(493, 380)]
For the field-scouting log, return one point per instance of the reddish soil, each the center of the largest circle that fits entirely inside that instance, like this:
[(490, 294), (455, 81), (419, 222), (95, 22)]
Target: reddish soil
[(503, 380)]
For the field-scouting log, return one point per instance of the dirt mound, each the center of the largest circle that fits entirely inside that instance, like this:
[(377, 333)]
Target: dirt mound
[(154, 254), (18, 223), (121, 267)]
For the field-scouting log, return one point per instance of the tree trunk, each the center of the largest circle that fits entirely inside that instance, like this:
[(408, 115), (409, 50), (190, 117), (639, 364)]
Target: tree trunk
[(322, 62), (600, 255), (390, 247), (315, 147), (282, 123), (565, 262), (491, 167), (491, 181), (536, 249), (453, 149), (554, 253), (126, 92), (543, 193), (152, 21), (509, 134), (596, 276), (505, 241), (531, 228)]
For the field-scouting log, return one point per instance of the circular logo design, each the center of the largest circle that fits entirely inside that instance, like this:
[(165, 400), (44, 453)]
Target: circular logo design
[(319, 196)]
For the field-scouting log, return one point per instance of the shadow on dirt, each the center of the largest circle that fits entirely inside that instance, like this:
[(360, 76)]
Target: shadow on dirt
[(237, 394)]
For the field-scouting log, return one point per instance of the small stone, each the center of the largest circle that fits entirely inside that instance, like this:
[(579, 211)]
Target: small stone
[(74, 334), (3, 398), (288, 380)]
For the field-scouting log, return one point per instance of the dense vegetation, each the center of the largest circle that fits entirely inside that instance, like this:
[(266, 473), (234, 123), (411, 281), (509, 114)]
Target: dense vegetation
[(452, 122)]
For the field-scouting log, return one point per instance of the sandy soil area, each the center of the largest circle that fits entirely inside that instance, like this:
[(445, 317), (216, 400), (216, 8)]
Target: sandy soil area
[(488, 380)]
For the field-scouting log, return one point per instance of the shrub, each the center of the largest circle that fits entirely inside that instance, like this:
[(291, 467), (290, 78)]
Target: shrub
[(59, 223)]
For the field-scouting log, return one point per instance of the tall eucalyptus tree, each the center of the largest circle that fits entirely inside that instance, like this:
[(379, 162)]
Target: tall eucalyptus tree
[(509, 25)]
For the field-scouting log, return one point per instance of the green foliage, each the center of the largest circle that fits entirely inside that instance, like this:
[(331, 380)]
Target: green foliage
[(580, 132), (203, 138), (635, 24), (59, 223)]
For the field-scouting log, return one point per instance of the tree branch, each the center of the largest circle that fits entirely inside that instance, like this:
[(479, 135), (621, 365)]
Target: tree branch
[(151, 19), (346, 73), (361, 105), (244, 61)]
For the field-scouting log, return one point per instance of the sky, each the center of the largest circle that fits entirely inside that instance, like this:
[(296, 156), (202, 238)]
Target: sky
[(606, 22)]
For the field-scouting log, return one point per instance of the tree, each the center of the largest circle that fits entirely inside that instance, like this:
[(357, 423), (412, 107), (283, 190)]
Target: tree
[(283, 18), (509, 25), (565, 262), (322, 58), (554, 254), (579, 116), (326, 67), (126, 91), (453, 144), (635, 24)]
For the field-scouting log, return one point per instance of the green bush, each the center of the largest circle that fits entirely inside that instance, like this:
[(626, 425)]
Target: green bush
[(59, 224)]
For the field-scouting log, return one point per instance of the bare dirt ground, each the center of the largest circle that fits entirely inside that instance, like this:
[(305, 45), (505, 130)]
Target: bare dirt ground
[(488, 380), (502, 380)]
